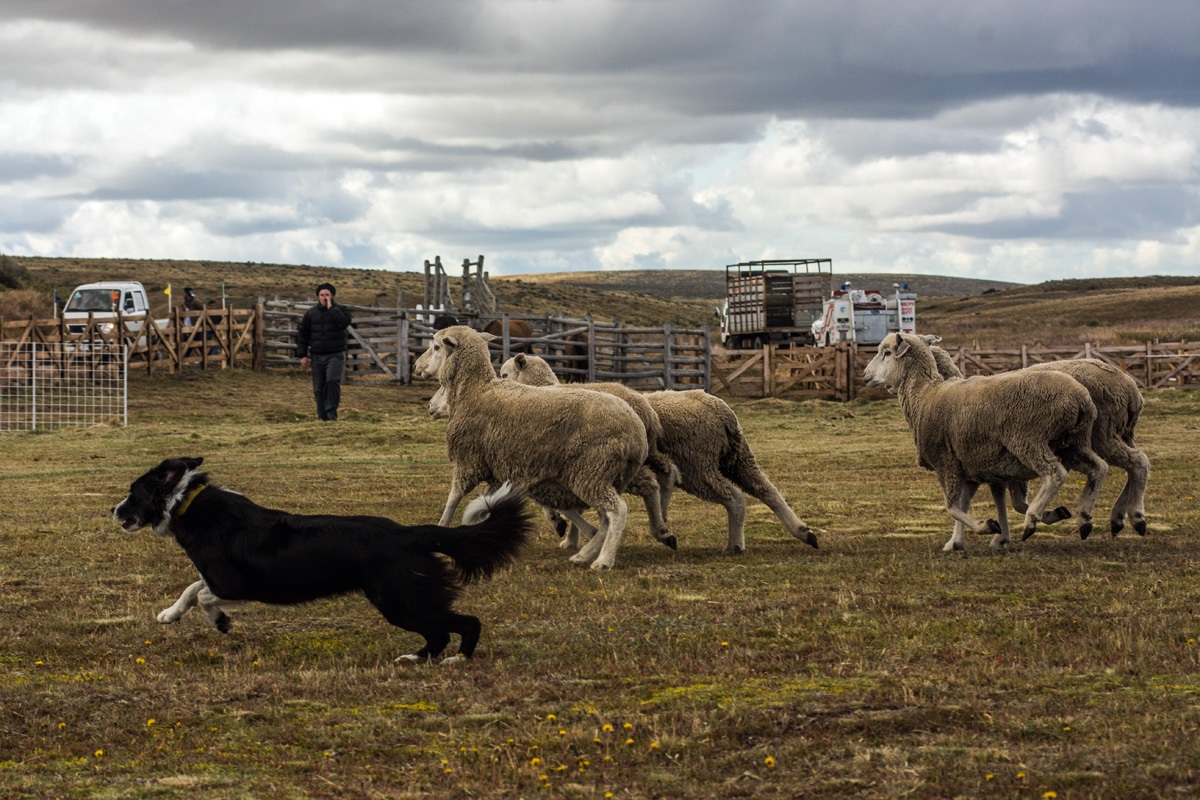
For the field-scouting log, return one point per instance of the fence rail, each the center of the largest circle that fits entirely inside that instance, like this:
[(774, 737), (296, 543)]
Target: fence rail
[(214, 339), (836, 372)]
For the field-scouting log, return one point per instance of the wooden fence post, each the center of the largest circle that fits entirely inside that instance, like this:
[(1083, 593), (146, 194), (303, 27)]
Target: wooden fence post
[(403, 367), (260, 337), (668, 347)]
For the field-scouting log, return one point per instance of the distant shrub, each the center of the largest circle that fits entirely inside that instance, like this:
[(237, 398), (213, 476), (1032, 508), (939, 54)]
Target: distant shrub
[(12, 274), (25, 303)]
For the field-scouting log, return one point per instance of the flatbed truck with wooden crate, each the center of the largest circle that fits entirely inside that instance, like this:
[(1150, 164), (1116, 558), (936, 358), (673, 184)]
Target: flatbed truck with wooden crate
[(774, 302)]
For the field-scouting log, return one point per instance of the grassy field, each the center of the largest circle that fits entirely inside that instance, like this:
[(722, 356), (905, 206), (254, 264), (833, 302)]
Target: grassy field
[(876, 666)]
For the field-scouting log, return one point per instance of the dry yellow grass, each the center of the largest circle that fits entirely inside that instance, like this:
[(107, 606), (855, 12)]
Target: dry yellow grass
[(876, 666)]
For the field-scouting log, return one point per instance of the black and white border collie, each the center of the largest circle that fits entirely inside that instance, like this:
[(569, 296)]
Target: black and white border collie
[(245, 552)]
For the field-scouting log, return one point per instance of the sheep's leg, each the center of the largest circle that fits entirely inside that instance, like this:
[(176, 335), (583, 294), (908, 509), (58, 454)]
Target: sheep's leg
[(1020, 504), (962, 501), (601, 551), (579, 532), (1132, 498), (614, 524), (666, 488), (795, 526), (459, 486), (1001, 539), (953, 488), (646, 486), (1094, 468), (1052, 481)]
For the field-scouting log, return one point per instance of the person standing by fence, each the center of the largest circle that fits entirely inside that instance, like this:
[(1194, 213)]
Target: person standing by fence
[(321, 343)]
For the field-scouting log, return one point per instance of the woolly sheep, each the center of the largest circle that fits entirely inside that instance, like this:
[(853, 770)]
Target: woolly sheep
[(1118, 408), (566, 448), (704, 441), (656, 478), (1009, 427)]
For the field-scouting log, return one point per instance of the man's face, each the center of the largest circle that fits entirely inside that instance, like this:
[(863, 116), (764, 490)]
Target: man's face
[(325, 297)]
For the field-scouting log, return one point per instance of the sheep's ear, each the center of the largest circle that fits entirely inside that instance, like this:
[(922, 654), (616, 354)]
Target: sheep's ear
[(931, 339), (490, 337), (450, 341), (902, 347), (520, 360)]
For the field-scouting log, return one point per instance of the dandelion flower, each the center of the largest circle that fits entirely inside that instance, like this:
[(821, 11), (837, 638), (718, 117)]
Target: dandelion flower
[(150, 722), (535, 762), (1050, 795), (724, 644), (989, 777), (551, 718), (606, 727), (654, 745), (628, 726), (1020, 776), (141, 660), (99, 754), (561, 732), (628, 742), (770, 762), (38, 663)]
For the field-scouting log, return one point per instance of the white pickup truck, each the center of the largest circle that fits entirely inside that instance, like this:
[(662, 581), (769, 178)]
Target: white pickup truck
[(102, 301)]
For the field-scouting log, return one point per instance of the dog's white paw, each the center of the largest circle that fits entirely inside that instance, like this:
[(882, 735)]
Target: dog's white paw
[(458, 659), (408, 658), (169, 615)]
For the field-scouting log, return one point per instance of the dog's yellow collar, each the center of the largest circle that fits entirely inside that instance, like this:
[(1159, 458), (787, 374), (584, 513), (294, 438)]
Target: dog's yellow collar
[(187, 501)]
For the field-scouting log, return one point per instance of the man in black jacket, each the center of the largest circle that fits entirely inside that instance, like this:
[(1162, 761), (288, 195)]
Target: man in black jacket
[(321, 341)]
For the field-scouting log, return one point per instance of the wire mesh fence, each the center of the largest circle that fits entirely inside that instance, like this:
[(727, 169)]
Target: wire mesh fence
[(45, 386)]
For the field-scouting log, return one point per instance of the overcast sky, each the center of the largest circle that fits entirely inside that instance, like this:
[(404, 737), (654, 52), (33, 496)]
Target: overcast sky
[(1012, 140)]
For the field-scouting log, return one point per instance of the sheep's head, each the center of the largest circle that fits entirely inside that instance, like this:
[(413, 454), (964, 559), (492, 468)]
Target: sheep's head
[(888, 364), (529, 370), (439, 404), (512, 368)]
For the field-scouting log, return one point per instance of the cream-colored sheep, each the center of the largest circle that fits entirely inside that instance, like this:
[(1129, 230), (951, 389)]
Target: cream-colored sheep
[(702, 438), (656, 478), (566, 448), (1118, 408), (1010, 427)]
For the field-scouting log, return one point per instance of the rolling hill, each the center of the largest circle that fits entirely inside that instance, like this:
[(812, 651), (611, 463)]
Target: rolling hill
[(961, 310)]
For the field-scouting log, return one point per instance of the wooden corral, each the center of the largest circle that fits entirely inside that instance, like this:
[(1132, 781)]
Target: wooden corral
[(386, 342), (218, 338)]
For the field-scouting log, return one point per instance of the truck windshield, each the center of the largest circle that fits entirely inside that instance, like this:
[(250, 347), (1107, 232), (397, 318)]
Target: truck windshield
[(93, 300)]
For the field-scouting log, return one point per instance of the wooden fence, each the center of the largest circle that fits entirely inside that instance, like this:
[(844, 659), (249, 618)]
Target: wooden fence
[(384, 343), (215, 339), (836, 372)]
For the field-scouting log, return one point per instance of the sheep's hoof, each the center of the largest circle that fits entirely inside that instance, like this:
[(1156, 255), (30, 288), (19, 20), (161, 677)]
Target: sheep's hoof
[(994, 528), (733, 551), (222, 622), (998, 543), (1085, 530), (599, 565), (1055, 515), (670, 541), (1140, 527), (810, 538), (952, 546), (560, 527), (1030, 531), (1117, 526)]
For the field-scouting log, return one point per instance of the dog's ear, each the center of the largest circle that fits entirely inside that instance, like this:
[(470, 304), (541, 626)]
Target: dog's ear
[(173, 469)]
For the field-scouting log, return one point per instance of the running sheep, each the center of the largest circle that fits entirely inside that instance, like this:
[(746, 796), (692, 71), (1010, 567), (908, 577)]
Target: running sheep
[(703, 439), (1118, 408), (1015, 426), (565, 448), (656, 478)]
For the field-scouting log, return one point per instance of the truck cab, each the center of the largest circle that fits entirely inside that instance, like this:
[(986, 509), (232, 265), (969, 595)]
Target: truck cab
[(104, 302)]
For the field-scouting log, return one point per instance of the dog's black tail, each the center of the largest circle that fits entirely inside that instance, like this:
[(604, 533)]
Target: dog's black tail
[(494, 529)]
